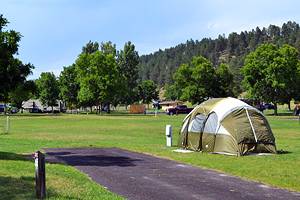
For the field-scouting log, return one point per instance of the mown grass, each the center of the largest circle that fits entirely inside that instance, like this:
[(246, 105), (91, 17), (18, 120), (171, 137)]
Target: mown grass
[(133, 132)]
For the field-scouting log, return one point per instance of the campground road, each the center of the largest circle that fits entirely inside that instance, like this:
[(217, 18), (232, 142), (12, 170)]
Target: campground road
[(143, 177)]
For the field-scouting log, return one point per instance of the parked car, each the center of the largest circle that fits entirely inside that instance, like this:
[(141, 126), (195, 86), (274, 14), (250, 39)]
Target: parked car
[(13, 110), (264, 106), (8, 108), (35, 110), (260, 107), (2, 108), (180, 109), (269, 106)]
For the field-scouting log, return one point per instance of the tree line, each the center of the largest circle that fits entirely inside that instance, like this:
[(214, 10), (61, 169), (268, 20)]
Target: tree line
[(271, 74), (232, 50), (198, 80), (102, 76)]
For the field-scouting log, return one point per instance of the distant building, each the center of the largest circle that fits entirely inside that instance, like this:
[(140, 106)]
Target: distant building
[(169, 104), (33, 106), (36, 106)]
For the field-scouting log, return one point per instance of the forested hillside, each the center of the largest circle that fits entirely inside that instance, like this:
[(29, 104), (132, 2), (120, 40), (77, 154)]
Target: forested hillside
[(160, 66)]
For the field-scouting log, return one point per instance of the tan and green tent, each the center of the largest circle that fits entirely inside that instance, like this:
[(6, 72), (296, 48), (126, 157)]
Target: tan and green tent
[(226, 126)]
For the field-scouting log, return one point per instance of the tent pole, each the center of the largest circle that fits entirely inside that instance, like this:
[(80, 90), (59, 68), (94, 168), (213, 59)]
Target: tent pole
[(251, 125), (216, 136)]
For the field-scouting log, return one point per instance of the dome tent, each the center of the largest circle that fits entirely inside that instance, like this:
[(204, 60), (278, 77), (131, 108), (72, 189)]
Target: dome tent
[(226, 126)]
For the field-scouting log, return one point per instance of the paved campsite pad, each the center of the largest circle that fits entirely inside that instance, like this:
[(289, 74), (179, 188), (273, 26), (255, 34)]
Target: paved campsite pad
[(139, 176)]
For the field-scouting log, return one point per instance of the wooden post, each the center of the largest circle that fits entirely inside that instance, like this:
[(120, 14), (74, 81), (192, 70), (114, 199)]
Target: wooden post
[(40, 175)]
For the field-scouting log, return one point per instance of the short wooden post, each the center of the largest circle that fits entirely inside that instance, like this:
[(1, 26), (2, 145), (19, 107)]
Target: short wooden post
[(40, 175)]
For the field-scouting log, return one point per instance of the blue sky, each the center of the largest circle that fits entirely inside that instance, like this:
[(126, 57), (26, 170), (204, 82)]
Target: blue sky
[(54, 31)]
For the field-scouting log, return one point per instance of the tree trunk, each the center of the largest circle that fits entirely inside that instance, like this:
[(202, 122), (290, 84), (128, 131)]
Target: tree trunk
[(52, 109), (275, 109), (289, 105), (5, 108), (108, 108)]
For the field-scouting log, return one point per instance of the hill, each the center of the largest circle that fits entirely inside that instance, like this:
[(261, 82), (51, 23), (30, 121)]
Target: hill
[(160, 66)]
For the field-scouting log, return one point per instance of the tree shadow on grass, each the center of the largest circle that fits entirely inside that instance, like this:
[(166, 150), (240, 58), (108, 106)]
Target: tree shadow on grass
[(24, 188), (281, 151), (36, 114), (280, 114), (17, 188), (20, 188), (90, 160), (14, 156)]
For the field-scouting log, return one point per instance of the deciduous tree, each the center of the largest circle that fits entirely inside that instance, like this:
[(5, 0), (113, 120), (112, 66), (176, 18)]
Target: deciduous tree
[(271, 73), (199, 80), (48, 90), (128, 60), (21, 93), (12, 71), (98, 78), (69, 86), (90, 47), (225, 81), (147, 91)]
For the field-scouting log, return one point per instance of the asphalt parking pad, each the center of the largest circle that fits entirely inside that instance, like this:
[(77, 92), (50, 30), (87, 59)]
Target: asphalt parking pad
[(144, 177)]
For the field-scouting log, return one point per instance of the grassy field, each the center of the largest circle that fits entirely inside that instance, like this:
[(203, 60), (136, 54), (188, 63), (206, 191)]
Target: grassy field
[(137, 133)]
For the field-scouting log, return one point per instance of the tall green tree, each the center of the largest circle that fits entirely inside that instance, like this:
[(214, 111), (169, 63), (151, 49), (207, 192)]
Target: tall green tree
[(199, 80), (98, 78), (290, 63), (107, 77), (225, 81), (48, 90), (12, 71), (21, 93), (196, 80), (90, 47), (270, 73), (128, 60), (108, 48), (171, 92), (69, 86), (87, 95), (147, 91)]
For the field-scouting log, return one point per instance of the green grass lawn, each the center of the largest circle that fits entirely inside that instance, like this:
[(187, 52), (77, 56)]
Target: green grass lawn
[(133, 132)]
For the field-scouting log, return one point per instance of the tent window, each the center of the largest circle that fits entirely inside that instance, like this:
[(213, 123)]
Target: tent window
[(211, 124), (197, 123)]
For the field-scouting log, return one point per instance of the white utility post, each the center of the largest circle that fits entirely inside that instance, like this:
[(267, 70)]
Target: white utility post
[(169, 135), (7, 124)]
